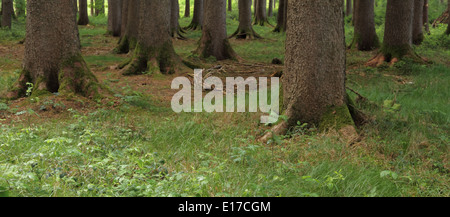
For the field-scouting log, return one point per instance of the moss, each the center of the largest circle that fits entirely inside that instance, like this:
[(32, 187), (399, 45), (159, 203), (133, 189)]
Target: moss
[(391, 52), (336, 117)]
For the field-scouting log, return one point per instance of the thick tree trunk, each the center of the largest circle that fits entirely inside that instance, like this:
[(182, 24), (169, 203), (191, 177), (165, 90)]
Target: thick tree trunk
[(53, 60), (7, 12), (197, 20), (417, 26), (114, 17), (187, 10), (314, 81), (83, 18), (128, 40), (154, 51), (214, 41), (261, 13), (365, 37), (282, 16), (245, 29)]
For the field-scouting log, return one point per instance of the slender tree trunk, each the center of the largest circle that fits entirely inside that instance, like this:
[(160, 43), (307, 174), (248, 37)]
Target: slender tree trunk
[(230, 5), (154, 51), (214, 41), (83, 18), (426, 21), (349, 6), (448, 27), (245, 29), (197, 20), (174, 20), (187, 11), (114, 17), (282, 16), (365, 37), (7, 12), (417, 26), (53, 60), (314, 81), (124, 21), (270, 13), (92, 8), (261, 13), (128, 40)]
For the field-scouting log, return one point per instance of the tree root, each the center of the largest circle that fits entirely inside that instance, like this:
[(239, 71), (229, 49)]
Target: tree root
[(245, 34), (193, 26)]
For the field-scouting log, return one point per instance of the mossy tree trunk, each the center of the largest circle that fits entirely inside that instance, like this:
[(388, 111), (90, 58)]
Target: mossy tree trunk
[(245, 29), (282, 16), (114, 17), (197, 20), (83, 18), (129, 37), (417, 26), (314, 81), (53, 60), (214, 41), (365, 37), (154, 51), (7, 13)]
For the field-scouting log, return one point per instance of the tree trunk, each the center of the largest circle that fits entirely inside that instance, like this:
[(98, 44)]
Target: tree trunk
[(314, 81), (83, 18), (214, 41), (128, 40), (349, 10), (53, 60), (92, 8), (197, 20), (426, 20), (124, 21), (261, 13), (154, 51), (417, 26), (174, 20), (187, 10), (282, 16), (448, 27), (365, 37), (7, 10), (230, 5), (270, 13), (397, 41), (114, 17), (245, 29)]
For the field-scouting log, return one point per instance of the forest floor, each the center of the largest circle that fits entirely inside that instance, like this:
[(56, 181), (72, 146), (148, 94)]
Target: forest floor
[(133, 144)]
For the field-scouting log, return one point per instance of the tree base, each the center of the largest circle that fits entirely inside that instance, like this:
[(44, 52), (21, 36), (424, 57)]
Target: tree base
[(126, 44), (381, 58), (245, 34), (193, 26)]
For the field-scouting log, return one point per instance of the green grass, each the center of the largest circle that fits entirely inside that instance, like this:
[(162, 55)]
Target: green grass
[(141, 148)]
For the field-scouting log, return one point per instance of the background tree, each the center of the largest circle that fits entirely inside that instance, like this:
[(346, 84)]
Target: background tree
[(83, 18), (314, 81), (245, 29), (417, 25), (53, 60), (197, 20), (261, 13), (281, 17), (230, 5), (154, 51), (174, 20), (426, 21), (124, 21), (397, 41), (187, 10), (114, 17), (7, 12), (214, 41), (270, 12), (365, 37), (349, 8), (448, 27), (129, 38)]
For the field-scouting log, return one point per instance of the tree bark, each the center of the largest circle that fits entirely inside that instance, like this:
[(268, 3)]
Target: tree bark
[(128, 40), (174, 20), (53, 60), (365, 37), (417, 26), (154, 51), (92, 8), (7, 12), (245, 29), (270, 13), (197, 20), (282, 16), (349, 7), (314, 81), (124, 21), (230, 5), (114, 17), (261, 13), (214, 41), (426, 20), (187, 10), (83, 18), (448, 9)]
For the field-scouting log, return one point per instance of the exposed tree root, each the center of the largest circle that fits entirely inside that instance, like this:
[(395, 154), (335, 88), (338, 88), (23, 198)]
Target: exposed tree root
[(245, 34), (381, 58), (193, 26)]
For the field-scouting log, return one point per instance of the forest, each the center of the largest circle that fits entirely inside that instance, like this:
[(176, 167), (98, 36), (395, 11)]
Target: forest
[(102, 98)]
